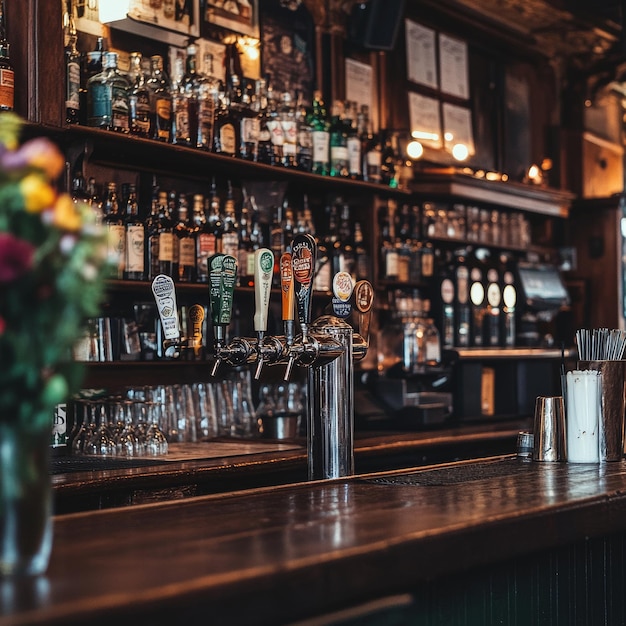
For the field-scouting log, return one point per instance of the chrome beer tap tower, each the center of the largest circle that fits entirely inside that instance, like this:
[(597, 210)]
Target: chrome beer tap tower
[(328, 347)]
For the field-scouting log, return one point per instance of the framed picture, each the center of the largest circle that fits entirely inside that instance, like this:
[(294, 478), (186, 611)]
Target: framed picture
[(240, 16), (181, 16)]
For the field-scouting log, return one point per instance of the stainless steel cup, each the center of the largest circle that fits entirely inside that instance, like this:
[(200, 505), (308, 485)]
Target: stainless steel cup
[(549, 429)]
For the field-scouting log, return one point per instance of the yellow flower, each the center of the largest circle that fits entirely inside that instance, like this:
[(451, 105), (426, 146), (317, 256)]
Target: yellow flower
[(66, 215), (38, 194)]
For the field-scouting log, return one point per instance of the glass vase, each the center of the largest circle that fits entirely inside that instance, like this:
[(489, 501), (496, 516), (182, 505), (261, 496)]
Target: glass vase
[(25, 500)]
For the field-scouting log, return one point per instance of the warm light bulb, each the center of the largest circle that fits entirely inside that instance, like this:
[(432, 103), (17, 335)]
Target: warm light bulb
[(460, 151), (414, 149)]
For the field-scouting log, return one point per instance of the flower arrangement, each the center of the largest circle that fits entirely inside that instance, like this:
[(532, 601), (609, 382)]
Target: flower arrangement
[(52, 269)]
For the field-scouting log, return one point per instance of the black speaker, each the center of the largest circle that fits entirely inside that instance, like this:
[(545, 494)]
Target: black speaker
[(374, 24)]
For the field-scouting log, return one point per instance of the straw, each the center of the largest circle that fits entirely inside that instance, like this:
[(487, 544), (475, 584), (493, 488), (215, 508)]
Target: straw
[(600, 344)]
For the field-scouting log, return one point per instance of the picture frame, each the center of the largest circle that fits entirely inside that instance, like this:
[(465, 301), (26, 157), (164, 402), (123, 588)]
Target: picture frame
[(239, 16)]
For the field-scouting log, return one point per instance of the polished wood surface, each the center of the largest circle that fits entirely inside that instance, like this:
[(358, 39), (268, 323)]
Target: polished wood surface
[(374, 451), (272, 555)]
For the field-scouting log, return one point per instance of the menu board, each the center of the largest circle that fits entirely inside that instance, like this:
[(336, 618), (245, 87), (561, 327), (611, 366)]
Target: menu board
[(359, 82), (425, 120), (457, 127), (453, 67)]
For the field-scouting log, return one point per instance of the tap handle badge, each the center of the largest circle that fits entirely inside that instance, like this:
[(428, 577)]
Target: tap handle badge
[(229, 278), (363, 299), (263, 271), (343, 286), (303, 253), (215, 264)]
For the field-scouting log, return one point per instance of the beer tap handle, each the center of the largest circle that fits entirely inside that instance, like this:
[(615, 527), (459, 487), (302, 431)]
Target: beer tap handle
[(165, 298), (263, 269), (215, 263), (303, 254), (363, 298), (287, 292), (196, 318)]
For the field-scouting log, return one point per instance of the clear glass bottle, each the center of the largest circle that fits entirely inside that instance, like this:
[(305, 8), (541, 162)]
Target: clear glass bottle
[(265, 148), (287, 116), (165, 235), (230, 227), (338, 143), (202, 239), (353, 141), (208, 98), (180, 110), (214, 219), (108, 97), (304, 151), (249, 127), (140, 96), (190, 86)]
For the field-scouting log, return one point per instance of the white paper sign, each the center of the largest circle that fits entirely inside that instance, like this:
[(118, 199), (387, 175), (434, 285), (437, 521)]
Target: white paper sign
[(421, 57), (457, 127), (425, 120), (453, 67), (359, 82)]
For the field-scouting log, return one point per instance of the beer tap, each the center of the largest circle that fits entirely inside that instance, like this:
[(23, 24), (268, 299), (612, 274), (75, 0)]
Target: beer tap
[(165, 297), (287, 293), (222, 278), (269, 349), (362, 298)]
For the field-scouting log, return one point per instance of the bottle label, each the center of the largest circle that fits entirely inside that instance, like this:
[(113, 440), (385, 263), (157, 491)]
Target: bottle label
[(447, 291), (135, 236), (166, 247), (290, 132), (509, 297), (181, 117), (477, 294), (354, 155), (230, 243), (119, 108), (462, 285), (321, 146), (116, 245), (72, 100), (228, 139), (391, 264), (339, 154), (250, 130), (205, 247), (494, 295), (141, 121), (163, 108), (100, 104), (276, 133), (58, 438), (7, 89), (186, 252)]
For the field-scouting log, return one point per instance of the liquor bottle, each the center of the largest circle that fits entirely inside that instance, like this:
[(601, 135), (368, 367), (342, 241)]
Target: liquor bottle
[(7, 75), (245, 245), (208, 98), (415, 264), (202, 239), (338, 143), (94, 200), (214, 220), (444, 308), (287, 115), (277, 242), (403, 243), (276, 128), (509, 302), (72, 75), (265, 149), (389, 254), (190, 86), (152, 235), (165, 235), (135, 234), (160, 101), (185, 243), (372, 151), (249, 127), (493, 308), (389, 160), (139, 98), (353, 141), (323, 278), (462, 310), (346, 251), (478, 301), (304, 149), (320, 136), (180, 110), (230, 227), (107, 97), (362, 263), (116, 233), (226, 131), (333, 242), (257, 240)]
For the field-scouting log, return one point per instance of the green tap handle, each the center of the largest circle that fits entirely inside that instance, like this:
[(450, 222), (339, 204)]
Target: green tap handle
[(303, 255), (229, 278)]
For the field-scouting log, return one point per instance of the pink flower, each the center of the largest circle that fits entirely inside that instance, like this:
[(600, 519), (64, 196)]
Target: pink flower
[(39, 153), (16, 257), (3, 325)]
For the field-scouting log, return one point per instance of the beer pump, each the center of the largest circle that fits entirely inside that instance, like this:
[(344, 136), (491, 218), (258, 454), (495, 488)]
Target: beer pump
[(326, 347)]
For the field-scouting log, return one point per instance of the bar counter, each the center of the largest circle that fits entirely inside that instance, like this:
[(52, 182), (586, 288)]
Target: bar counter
[(229, 465), (468, 542)]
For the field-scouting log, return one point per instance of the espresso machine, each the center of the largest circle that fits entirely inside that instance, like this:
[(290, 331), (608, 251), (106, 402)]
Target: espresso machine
[(414, 376)]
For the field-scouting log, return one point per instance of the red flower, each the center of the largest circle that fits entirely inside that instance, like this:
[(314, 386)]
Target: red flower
[(3, 325), (16, 257)]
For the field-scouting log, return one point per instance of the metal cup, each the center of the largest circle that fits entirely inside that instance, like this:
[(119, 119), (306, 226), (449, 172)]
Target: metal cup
[(549, 429)]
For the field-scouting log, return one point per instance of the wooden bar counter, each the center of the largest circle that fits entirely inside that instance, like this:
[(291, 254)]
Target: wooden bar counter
[(497, 540)]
